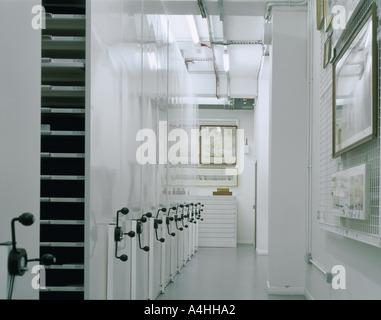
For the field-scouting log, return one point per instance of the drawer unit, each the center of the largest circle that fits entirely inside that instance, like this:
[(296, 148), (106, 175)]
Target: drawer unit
[(219, 225)]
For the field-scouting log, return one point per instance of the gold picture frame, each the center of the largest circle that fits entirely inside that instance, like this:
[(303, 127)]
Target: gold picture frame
[(217, 177), (319, 14), (327, 51), (328, 16), (203, 177)]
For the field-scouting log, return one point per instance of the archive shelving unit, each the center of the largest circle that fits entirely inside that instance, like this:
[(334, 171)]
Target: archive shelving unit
[(63, 139)]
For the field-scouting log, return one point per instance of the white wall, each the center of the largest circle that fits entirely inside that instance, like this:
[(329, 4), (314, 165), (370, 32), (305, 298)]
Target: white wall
[(288, 150), (261, 127), (245, 190), (361, 261)]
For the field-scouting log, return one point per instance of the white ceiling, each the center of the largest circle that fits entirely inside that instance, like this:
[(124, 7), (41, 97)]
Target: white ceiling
[(238, 23)]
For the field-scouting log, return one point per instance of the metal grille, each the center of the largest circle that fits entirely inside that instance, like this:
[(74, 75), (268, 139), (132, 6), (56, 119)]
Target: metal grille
[(367, 231)]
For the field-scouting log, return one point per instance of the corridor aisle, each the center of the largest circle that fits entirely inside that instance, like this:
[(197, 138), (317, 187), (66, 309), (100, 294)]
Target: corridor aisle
[(223, 274)]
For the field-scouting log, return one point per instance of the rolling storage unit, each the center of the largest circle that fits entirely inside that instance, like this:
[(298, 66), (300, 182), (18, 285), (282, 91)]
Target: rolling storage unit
[(98, 73)]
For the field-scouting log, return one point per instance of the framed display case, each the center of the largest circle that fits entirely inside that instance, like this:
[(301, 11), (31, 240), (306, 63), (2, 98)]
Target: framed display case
[(355, 90)]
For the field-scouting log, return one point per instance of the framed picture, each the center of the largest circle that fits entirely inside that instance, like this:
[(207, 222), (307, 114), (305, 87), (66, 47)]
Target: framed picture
[(203, 177), (319, 14), (351, 193), (327, 51), (217, 177), (355, 89), (218, 145), (328, 16)]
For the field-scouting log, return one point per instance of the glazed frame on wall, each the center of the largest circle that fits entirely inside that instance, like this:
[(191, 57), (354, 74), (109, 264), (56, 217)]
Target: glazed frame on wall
[(205, 177), (217, 177), (355, 86), (218, 145)]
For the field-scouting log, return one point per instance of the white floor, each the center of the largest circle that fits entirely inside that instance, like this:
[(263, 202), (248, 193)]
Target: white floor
[(223, 274)]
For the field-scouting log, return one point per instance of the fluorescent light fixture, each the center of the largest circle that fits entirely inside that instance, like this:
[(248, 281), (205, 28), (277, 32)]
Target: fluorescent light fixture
[(193, 29), (226, 61)]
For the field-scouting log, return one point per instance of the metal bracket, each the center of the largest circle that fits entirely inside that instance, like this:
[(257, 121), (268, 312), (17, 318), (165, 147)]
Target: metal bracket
[(308, 258), (329, 277)]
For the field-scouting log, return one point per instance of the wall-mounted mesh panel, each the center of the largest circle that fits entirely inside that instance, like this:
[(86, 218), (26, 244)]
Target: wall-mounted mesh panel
[(369, 230)]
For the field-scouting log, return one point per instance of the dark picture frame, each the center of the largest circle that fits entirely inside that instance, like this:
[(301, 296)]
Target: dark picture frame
[(355, 86)]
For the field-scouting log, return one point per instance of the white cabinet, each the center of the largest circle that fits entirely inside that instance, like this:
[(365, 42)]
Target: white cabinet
[(219, 225)]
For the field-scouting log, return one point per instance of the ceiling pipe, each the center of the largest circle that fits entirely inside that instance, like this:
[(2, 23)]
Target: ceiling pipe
[(205, 15), (202, 9), (221, 10), (271, 5)]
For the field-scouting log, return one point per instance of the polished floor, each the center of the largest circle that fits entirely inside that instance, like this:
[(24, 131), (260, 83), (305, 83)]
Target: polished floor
[(223, 274)]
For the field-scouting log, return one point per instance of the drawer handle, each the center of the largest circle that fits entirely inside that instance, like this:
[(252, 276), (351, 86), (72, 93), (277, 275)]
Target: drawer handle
[(156, 226), (139, 231), (168, 222), (119, 234)]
